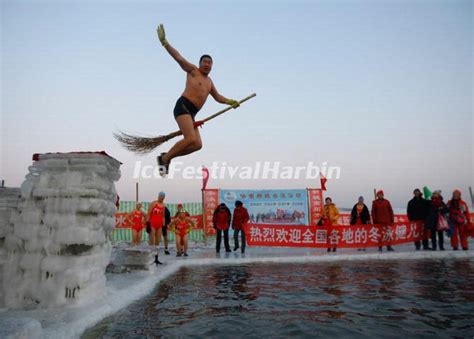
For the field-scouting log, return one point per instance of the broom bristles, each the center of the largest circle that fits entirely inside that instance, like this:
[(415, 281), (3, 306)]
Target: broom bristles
[(140, 144)]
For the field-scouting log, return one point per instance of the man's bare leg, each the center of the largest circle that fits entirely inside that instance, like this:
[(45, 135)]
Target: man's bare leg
[(191, 142)]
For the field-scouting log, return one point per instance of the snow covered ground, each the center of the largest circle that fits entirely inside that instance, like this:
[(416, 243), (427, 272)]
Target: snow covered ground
[(123, 289)]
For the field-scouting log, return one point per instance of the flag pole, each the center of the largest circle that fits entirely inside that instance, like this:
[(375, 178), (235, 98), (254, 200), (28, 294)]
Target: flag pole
[(136, 192), (204, 236), (472, 196)]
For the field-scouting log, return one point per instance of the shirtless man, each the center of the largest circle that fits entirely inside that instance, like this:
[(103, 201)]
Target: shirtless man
[(198, 87)]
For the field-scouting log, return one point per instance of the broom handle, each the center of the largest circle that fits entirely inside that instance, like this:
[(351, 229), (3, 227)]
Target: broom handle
[(178, 133), (228, 108)]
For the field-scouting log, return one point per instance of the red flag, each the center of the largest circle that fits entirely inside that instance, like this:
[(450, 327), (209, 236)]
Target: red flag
[(323, 182), (205, 177)]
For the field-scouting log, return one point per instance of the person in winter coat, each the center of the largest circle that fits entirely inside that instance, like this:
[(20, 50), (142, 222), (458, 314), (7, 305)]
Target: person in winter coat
[(221, 221), (417, 211), (360, 215), (382, 214), (330, 217), (437, 208), (239, 219), (459, 217)]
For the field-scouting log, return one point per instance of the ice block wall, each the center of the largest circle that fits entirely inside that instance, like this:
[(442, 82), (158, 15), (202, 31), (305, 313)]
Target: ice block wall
[(9, 198), (59, 247)]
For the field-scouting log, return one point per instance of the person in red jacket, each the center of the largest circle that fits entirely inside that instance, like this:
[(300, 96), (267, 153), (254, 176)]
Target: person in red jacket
[(459, 217), (221, 221), (240, 218), (382, 214)]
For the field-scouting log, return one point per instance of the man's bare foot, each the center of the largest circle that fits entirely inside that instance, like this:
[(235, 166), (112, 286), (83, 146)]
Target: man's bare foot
[(162, 165)]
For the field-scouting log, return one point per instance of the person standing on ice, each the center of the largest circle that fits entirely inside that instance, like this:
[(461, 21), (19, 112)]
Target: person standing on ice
[(156, 218), (459, 217), (239, 219), (182, 225), (164, 229), (330, 217), (360, 215), (198, 87), (417, 211), (437, 212), (221, 220), (382, 214), (137, 220)]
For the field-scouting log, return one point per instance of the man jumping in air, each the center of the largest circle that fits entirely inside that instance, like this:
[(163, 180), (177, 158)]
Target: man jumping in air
[(198, 87)]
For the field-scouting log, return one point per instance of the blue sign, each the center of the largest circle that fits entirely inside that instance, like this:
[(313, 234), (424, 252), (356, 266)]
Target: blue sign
[(284, 207)]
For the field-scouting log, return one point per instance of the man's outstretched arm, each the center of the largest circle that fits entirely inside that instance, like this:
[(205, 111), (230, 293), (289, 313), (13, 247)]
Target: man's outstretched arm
[(222, 99), (185, 65)]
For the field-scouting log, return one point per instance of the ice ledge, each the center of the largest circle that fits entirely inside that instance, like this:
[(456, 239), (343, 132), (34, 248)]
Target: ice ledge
[(122, 290)]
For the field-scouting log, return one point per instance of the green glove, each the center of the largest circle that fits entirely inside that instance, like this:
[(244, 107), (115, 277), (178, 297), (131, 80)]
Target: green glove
[(161, 35), (233, 103)]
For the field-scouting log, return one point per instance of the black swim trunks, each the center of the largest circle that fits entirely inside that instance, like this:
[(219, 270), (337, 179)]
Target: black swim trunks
[(184, 106)]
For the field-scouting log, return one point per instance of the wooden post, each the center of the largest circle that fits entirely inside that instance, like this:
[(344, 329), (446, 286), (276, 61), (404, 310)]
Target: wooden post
[(375, 194), (3, 183)]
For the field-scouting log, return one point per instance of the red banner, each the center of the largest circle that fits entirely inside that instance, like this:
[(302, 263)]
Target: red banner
[(121, 220), (345, 219), (209, 204), (338, 236), (315, 201)]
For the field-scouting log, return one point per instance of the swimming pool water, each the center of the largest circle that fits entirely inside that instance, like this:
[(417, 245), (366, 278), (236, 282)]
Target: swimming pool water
[(419, 298)]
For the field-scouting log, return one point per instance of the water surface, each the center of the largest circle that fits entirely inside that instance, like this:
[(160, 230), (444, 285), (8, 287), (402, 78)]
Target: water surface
[(419, 298)]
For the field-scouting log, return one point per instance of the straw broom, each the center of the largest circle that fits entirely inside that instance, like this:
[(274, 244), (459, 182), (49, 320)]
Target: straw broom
[(143, 145)]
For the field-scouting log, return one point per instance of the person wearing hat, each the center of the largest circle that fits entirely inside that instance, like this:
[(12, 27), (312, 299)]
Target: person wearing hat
[(239, 219), (437, 212), (459, 217), (221, 220), (360, 215), (382, 214), (417, 212)]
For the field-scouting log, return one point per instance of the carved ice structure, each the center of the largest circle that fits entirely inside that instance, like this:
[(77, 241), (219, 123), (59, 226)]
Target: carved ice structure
[(59, 247)]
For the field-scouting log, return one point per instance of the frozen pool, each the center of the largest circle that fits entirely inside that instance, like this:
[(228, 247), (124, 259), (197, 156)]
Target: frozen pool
[(375, 298)]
